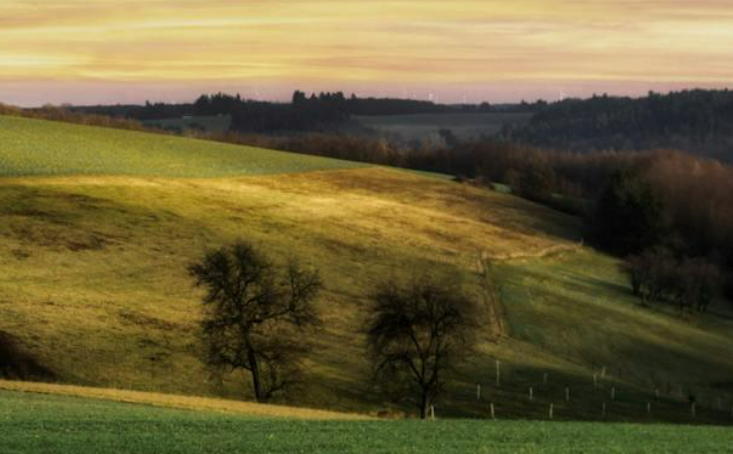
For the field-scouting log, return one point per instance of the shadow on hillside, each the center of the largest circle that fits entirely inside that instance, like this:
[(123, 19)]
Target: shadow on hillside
[(619, 397), (590, 284), (17, 364)]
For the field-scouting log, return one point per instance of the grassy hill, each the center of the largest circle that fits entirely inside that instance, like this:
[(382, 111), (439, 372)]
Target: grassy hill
[(60, 424), (99, 225), (44, 148)]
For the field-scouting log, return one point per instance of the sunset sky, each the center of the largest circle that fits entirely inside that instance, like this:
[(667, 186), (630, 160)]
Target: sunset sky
[(108, 51)]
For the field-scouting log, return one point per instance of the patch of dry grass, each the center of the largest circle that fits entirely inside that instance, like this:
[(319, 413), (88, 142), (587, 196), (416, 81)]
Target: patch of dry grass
[(180, 402)]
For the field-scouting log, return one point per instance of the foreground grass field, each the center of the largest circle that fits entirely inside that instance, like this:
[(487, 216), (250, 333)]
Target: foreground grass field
[(54, 424), (93, 283)]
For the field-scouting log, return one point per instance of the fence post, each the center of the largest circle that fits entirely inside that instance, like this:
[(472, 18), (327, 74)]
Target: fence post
[(493, 413), (552, 411), (603, 412), (567, 394), (498, 373), (603, 373), (694, 410), (478, 391), (432, 412)]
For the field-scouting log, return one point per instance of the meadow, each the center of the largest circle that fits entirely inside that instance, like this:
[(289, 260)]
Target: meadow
[(465, 126), (48, 424), (38, 147), (93, 282)]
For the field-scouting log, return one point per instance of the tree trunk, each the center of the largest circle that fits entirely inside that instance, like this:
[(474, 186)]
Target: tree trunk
[(424, 405), (256, 374)]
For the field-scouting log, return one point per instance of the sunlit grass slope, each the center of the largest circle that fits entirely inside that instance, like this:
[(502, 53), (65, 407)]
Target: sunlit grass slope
[(38, 147), (57, 424), (93, 284), (180, 402), (93, 269)]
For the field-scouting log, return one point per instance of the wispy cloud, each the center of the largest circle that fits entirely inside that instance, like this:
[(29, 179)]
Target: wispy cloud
[(355, 43)]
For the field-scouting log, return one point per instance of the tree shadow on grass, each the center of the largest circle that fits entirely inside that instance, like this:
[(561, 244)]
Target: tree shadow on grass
[(17, 364)]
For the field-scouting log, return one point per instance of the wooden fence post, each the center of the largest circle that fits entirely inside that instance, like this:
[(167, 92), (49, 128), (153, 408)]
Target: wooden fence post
[(694, 410), (478, 391), (552, 411), (498, 373), (567, 394), (493, 413), (531, 393)]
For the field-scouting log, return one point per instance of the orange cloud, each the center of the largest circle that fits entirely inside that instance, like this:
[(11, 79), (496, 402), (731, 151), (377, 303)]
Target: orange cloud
[(351, 42)]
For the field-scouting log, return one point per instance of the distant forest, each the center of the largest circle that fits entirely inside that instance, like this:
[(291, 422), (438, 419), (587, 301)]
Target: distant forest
[(699, 121), (324, 112)]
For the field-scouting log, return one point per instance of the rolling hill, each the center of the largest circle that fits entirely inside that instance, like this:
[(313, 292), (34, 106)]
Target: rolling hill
[(45, 148), (98, 226)]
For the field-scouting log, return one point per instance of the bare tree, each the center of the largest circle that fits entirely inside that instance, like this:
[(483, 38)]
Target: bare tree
[(657, 276), (416, 333), (255, 314)]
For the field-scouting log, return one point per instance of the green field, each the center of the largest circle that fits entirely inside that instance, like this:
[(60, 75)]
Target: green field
[(37, 424), (44, 148), (465, 126), (93, 282)]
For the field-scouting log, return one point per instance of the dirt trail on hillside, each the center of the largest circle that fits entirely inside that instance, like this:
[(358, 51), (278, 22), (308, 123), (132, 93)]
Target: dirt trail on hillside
[(542, 253)]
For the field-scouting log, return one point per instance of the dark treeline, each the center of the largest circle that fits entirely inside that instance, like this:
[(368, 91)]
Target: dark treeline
[(147, 111), (700, 121), (321, 112), (314, 113)]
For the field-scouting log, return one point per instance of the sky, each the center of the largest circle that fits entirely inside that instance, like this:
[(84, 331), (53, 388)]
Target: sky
[(129, 51)]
